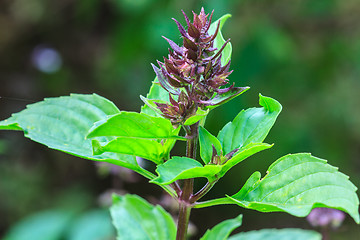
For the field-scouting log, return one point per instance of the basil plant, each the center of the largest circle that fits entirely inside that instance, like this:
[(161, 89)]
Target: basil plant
[(190, 82)]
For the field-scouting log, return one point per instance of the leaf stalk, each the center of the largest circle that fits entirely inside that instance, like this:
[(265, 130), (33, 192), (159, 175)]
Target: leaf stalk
[(202, 192), (213, 202)]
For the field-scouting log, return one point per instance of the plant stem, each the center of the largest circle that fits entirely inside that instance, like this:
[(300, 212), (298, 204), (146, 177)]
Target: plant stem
[(187, 192), (325, 233), (184, 212)]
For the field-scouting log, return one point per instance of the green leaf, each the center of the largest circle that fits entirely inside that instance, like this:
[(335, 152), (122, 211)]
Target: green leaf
[(207, 140), (219, 40), (250, 126), (183, 168), (158, 93), (62, 123), (200, 114), (49, 225), (296, 184), (135, 218), (278, 234), (242, 154), (169, 143), (145, 148), (134, 125), (93, 225), (223, 229)]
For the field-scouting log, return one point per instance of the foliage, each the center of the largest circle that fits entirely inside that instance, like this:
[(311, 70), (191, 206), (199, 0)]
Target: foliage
[(56, 224), (190, 83), (135, 218)]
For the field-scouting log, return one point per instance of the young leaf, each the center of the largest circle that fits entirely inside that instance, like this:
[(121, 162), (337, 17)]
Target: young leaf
[(219, 40), (145, 148), (134, 125), (250, 126), (207, 140), (135, 218), (242, 154), (200, 114), (296, 184), (158, 93), (278, 234), (183, 168), (223, 229), (62, 123)]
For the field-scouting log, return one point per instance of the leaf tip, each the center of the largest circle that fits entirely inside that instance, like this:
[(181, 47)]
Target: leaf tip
[(269, 104), (357, 219), (96, 147), (225, 17), (239, 218)]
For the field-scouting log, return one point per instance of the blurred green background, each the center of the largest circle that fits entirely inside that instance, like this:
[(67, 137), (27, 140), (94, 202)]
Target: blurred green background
[(304, 53)]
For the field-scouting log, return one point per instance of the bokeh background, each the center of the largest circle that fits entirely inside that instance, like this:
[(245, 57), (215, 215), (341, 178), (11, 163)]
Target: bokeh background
[(304, 53)]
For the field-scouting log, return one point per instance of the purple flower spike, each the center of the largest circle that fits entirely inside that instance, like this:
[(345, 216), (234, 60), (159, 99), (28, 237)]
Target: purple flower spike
[(194, 72)]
